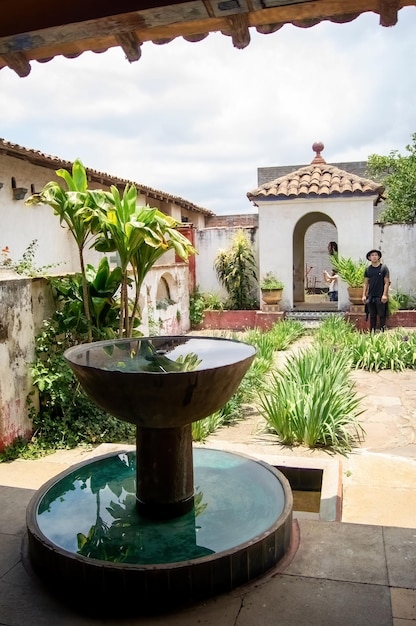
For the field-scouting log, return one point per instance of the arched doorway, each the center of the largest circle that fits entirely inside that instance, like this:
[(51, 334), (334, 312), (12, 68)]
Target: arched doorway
[(311, 236)]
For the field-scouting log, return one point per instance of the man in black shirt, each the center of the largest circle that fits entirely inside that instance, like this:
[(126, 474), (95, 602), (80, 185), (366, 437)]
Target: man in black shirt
[(376, 289)]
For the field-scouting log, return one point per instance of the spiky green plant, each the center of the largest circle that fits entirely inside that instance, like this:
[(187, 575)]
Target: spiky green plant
[(284, 333), (312, 400), (394, 350), (335, 331), (349, 270), (236, 271)]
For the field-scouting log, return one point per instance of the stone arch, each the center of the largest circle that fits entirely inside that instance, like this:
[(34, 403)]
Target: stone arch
[(166, 290), (311, 235)]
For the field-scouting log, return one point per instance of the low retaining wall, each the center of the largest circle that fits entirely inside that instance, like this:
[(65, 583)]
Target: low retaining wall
[(239, 320), (243, 320), (401, 319)]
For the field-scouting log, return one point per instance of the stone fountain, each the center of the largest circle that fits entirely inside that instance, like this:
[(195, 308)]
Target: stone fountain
[(164, 521)]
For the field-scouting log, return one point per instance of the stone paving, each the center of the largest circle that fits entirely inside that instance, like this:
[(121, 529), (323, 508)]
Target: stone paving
[(360, 571)]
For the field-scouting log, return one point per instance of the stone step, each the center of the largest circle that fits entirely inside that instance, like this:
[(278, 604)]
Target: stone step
[(311, 315), (311, 319)]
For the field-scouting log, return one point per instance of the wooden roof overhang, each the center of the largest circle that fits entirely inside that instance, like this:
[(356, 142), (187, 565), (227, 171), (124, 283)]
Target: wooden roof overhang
[(44, 29)]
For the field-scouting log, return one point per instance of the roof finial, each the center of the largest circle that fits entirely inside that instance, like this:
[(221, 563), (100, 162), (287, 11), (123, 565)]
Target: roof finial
[(317, 147)]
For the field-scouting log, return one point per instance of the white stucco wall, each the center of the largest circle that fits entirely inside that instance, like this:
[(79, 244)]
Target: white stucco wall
[(397, 243), (208, 243), (22, 224), (352, 217)]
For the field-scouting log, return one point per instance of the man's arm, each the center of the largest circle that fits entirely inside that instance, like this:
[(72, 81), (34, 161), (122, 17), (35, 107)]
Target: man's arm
[(365, 289), (385, 295)]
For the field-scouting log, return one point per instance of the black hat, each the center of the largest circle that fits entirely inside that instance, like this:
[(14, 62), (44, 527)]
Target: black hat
[(371, 252)]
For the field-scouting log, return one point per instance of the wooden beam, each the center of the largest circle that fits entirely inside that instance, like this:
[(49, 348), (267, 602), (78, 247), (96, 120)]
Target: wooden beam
[(101, 34), (18, 62), (388, 12), (238, 30), (130, 45)]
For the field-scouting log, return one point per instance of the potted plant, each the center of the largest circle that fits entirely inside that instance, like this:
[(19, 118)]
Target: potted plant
[(352, 272), (271, 288)]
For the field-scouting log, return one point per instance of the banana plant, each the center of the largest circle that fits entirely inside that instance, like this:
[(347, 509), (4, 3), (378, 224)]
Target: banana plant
[(102, 286), (76, 207), (140, 236), (113, 223)]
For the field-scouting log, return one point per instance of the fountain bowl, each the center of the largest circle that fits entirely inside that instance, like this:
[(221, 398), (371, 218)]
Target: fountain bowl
[(136, 390)]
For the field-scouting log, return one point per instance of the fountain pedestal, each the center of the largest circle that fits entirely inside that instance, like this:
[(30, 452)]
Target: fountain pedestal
[(165, 471)]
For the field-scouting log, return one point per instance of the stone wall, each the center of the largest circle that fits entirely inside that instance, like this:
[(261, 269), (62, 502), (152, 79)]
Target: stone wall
[(24, 304)]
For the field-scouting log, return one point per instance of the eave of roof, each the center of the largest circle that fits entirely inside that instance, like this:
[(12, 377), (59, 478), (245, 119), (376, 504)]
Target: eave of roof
[(52, 162), (317, 180), (44, 29)]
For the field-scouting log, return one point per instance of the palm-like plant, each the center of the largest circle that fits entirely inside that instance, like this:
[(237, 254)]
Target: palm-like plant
[(76, 207), (114, 223), (140, 236), (349, 270)]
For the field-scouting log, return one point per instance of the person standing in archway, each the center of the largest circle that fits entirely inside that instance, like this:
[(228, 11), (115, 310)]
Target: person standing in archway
[(332, 280), (332, 248), (376, 290)]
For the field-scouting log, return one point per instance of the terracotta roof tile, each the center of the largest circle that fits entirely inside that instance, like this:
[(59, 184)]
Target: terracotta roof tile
[(314, 180), (46, 160)]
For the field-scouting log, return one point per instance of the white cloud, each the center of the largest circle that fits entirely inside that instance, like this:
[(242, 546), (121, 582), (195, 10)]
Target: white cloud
[(197, 120)]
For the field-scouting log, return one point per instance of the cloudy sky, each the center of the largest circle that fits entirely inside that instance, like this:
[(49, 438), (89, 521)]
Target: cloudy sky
[(198, 119)]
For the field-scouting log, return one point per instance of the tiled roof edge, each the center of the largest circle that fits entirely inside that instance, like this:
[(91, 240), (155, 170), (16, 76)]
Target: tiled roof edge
[(40, 158)]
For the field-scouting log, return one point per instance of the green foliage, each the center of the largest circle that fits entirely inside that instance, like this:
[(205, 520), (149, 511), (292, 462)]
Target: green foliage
[(335, 331), (394, 350), (270, 281), (21, 449), (213, 302), (398, 174), (393, 303), (350, 271), (236, 271), (114, 222), (140, 236), (196, 307), (67, 417), (26, 265), (404, 300), (284, 333), (199, 302), (102, 287), (312, 400)]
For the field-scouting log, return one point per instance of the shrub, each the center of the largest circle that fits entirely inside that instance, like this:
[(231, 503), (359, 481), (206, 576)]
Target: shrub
[(236, 271), (312, 400)]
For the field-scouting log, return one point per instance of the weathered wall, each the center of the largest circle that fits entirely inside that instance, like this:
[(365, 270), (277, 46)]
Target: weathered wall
[(208, 243), (397, 243), (24, 303)]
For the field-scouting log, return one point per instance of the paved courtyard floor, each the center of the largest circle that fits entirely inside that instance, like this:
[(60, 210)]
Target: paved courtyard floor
[(359, 570)]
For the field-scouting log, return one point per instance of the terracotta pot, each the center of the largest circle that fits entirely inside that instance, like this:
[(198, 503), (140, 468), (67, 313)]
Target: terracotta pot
[(355, 295), (271, 296)]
